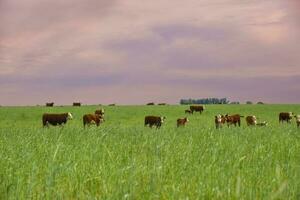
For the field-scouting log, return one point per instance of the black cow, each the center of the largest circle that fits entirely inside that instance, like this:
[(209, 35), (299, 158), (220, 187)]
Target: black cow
[(199, 109)]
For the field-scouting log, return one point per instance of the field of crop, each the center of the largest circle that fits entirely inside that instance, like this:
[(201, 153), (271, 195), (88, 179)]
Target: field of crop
[(122, 159)]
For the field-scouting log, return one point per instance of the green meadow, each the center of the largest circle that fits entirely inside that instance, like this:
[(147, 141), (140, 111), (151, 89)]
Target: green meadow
[(122, 159)]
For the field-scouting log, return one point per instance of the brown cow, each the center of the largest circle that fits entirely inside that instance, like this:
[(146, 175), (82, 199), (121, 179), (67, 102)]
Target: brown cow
[(219, 121), (251, 120), (56, 119), (199, 109), (233, 119), (50, 104), (182, 121), (285, 116), (89, 119), (188, 111), (154, 121)]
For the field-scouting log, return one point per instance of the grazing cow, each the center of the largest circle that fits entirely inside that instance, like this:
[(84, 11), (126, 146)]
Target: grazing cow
[(151, 104), (89, 119), (76, 104), (297, 120), (162, 104), (154, 121), (50, 104), (219, 121), (264, 123), (251, 120), (188, 111), (233, 119), (285, 116), (56, 119), (182, 121), (199, 109)]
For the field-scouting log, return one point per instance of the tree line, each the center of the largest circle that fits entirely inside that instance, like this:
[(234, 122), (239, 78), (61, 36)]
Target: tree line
[(204, 101), (212, 101)]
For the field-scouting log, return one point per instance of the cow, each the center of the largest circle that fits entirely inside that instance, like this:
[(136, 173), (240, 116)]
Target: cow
[(219, 121), (50, 104), (199, 109), (233, 119), (151, 104), (251, 120), (89, 119), (188, 111), (162, 104), (264, 123), (285, 116), (182, 121), (297, 120), (154, 121), (56, 119), (76, 104)]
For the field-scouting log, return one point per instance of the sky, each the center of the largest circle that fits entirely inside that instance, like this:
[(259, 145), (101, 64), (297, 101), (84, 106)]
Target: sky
[(134, 52)]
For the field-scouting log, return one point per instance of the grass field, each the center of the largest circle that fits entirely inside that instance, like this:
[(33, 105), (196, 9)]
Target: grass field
[(122, 159)]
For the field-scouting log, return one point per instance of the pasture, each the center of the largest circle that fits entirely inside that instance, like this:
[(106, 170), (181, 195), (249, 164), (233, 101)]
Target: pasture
[(122, 159)]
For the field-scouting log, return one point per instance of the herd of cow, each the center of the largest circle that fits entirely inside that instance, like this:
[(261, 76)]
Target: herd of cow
[(98, 117)]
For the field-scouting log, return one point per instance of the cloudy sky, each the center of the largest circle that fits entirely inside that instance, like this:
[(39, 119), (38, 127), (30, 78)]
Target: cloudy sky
[(134, 52)]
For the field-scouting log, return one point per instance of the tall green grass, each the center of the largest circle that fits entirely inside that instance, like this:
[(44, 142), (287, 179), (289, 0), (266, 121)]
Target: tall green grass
[(122, 159)]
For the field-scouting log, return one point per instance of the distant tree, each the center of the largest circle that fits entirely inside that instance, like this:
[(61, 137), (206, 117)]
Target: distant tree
[(260, 102), (249, 102)]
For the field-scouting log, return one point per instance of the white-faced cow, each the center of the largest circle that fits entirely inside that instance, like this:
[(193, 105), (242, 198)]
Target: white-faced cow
[(219, 121), (233, 119), (56, 119), (154, 121), (251, 120), (182, 121), (89, 119), (264, 123)]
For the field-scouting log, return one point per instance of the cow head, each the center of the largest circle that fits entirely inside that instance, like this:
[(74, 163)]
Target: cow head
[(162, 119), (218, 118), (186, 119), (70, 116)]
